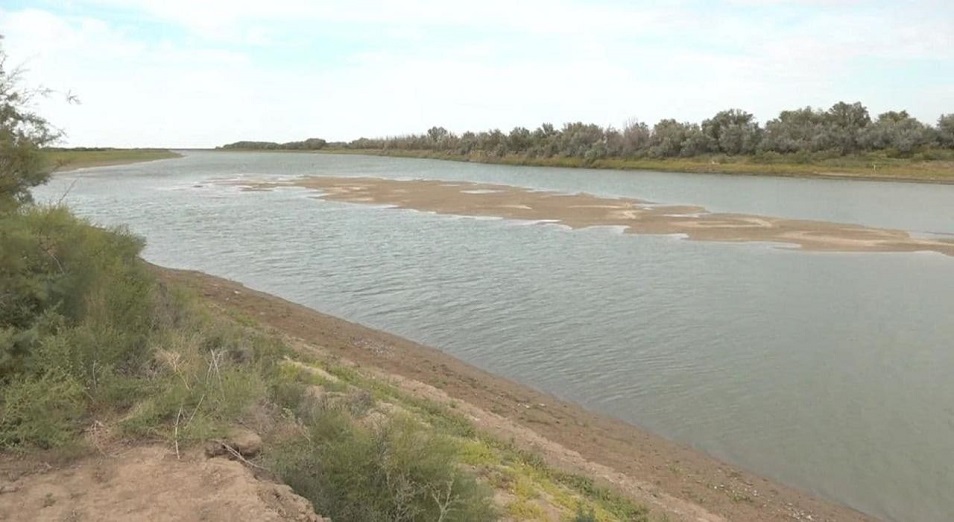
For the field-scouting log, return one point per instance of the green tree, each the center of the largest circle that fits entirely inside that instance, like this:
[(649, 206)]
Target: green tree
[(799, 130), (667, 138), (945, 130), (519, 139), (635, 137), (22, 134), (896, 131), (733, 132), (577, 139), (437, 138), (846, 123)]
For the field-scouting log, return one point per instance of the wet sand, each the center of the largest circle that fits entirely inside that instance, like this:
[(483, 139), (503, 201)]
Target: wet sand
[(585, 210)]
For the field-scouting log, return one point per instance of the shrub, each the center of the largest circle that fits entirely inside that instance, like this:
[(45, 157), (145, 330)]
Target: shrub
[(196, 390), (40, 411), (82, 318), (399, 471), (59, 273)]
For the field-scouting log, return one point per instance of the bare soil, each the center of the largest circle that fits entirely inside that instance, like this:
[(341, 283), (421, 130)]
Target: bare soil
[(145, 483)]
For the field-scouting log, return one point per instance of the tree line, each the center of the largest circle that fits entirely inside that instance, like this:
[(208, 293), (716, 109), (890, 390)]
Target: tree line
[(843, 129), (309, 144)]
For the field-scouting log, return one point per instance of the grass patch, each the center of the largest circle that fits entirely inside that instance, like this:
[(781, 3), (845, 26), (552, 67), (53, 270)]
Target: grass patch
[(71, 159), (523, 474)]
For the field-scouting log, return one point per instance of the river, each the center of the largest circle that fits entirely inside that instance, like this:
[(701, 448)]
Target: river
[(831, 372)]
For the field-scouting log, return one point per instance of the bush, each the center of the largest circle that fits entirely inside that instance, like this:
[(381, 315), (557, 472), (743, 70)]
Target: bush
[(40, 411), (399, 471), (197, 386), (76, 309), (85, 330), (59, 273)]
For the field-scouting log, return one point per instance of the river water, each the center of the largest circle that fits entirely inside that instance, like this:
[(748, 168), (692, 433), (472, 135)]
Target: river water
[(831, 372)]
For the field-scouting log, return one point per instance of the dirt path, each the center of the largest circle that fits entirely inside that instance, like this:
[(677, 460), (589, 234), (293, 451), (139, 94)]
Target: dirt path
[(674, 478), (148, 483)]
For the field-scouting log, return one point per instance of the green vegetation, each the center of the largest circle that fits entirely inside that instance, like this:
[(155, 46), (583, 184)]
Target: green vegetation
[(844, 129), (841, 141), (309, 144), (331, 394), (83, 157), (395, 471)]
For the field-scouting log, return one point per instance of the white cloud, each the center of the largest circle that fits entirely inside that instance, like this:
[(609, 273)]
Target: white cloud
[(250, 70)]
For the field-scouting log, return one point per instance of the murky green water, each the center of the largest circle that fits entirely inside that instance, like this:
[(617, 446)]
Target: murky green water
[(830, 372)]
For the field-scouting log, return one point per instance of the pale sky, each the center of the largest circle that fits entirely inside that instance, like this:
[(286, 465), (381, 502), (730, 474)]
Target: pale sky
[(200, 73)]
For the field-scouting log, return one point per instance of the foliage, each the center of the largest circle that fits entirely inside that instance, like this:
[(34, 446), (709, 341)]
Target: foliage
[(945, 131), (61, 276), (85, 331), (22, 133), (397, 471), (40, 410), (843, 129), (77, 313), (309, 144)]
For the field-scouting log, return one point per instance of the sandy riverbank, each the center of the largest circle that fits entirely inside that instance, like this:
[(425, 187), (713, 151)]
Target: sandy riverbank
[(677, 481), (637, 217)]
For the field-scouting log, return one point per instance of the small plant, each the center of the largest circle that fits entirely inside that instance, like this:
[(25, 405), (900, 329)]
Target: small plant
[(584, 515), (399, 471)]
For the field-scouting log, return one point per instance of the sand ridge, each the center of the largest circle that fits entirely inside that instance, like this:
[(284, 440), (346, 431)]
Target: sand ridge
[(586, 210)]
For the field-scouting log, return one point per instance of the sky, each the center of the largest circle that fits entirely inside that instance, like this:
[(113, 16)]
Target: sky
[(201, 73)]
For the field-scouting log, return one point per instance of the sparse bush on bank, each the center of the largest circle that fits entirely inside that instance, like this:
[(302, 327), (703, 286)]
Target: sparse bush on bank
[(397, 471)]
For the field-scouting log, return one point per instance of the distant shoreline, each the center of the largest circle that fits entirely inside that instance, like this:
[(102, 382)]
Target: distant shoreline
[(907, 171), (65, 160), (903, 171)]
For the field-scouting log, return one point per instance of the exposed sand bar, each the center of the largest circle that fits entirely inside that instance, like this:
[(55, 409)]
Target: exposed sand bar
[(585, 210)]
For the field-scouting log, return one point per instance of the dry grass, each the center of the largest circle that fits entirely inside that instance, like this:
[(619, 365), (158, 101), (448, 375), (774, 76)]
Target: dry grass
[(72, 159)]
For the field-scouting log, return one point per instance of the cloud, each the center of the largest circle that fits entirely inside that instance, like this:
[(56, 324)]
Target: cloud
[(184, 73)]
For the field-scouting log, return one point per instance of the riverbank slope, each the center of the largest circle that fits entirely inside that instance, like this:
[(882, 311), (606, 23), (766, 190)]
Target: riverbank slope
[(677, 483)]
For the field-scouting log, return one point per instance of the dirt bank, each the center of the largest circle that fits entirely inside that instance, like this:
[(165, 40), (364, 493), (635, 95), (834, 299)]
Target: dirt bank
[(635, 216), (146, 483), (681, 483)]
